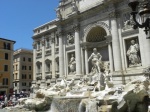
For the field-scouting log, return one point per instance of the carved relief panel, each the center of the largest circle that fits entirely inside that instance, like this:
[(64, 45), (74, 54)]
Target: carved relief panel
[(127, 21), (70, 39)]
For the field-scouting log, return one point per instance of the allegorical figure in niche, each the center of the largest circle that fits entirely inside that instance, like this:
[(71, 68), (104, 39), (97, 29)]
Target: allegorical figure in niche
[(72, 64), (96, 60), (132, 53)]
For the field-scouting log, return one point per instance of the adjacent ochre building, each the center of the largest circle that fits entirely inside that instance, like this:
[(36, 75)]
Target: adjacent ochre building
[(82, 25), (6, 66), (23, 70)]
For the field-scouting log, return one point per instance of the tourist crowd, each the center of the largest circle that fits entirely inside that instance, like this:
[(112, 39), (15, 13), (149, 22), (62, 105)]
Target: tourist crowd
[(12, 100)]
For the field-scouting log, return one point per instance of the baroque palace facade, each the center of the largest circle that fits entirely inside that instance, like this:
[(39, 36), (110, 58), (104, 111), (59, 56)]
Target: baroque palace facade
[(63, 46)]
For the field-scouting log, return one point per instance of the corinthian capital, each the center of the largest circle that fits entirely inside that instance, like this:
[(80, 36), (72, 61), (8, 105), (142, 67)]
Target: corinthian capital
[(59, 33), (113, 14), (76, 27), (34, 45)]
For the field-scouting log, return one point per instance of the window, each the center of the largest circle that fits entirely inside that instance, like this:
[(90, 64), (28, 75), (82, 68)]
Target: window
[(29, 59), (6, 45), (47, 67), (47, 43), (24, 59), (15, 84), (24, 76), (6, 56), (5, 81), (23, 83), (29, 84), (38, 46), (29, 67), (30, 76), (16, 76), (39, 70), (24, 68), (23, 89), (16, 67), (5, 67)]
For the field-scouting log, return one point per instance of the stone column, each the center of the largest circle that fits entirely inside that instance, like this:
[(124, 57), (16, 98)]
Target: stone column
[(43, 59), (56, 65), (53, 54), (144, 48), (110, 57), (83, 61), (77, 50), (61, 55), (121, 43), (34, 61), (115, 43), (86, 61)]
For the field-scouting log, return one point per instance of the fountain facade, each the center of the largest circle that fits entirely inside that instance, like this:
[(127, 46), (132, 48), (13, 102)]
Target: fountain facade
[(63, 46)]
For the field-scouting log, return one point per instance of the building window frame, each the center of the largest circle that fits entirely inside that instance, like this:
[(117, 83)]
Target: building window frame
[(24, 59), (6, 56), (24, 84), (29, 59), (5, 68), (30, 68), (30, 77), (5, 81)]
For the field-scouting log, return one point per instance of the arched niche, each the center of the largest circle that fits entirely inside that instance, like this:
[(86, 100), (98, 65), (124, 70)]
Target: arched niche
[(101, 28), (48, 65)]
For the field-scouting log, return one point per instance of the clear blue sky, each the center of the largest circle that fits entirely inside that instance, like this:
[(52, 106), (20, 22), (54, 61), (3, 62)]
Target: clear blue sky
[(18, 18)]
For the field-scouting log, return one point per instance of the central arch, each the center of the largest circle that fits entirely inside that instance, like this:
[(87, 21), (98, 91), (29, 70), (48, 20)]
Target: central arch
[(98, 27), (96, 34)]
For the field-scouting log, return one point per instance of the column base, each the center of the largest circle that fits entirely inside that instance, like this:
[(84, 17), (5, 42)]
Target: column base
[(53, 81), (78, 76), (59, 79), (43, 83), (33, 82)]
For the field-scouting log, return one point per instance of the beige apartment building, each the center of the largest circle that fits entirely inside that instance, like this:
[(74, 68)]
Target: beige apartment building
[(6, 66), (23, 70)]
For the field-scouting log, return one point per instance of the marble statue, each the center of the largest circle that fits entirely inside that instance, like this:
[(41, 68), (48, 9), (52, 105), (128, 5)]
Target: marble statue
[(59, 16), (72, 64), (132, 54), (96, 60), (74, 6), (129, 23), (98, 75)]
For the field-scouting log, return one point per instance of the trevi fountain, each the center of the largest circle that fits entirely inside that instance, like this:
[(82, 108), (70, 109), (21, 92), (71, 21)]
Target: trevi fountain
[(94, 92)]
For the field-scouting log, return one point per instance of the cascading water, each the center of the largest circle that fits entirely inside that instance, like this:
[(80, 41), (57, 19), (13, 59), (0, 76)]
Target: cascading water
[(65, 104)]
